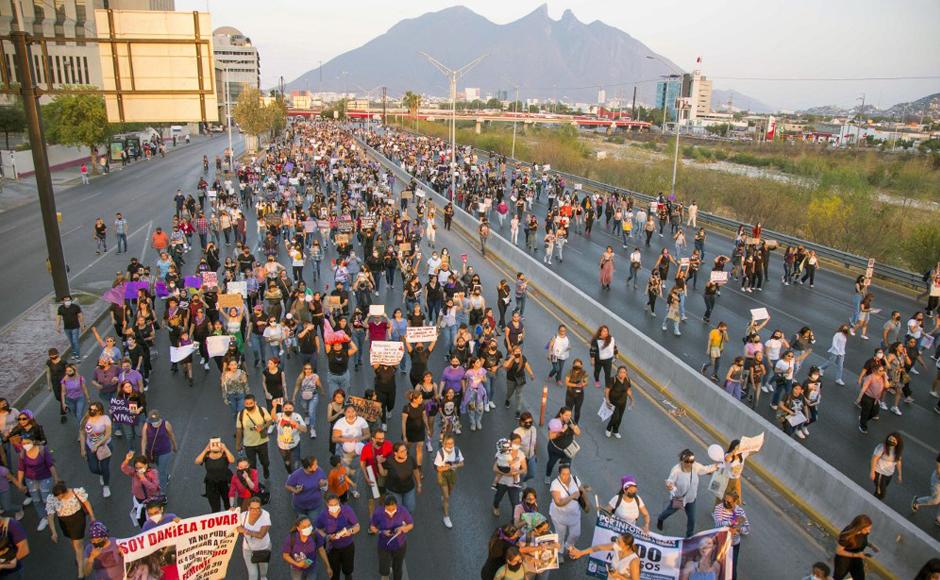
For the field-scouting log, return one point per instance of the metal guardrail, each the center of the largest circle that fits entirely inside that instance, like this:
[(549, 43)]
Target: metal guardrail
[(846, 259)]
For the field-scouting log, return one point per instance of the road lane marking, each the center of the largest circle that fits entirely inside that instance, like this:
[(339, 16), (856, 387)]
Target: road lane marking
[(104, 255), (910, 437)]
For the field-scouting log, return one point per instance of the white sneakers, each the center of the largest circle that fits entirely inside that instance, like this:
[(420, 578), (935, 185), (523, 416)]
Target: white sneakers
[(106, 491), (313, 433), (895, 410), (43, 524), (447, 523), (608, 434)]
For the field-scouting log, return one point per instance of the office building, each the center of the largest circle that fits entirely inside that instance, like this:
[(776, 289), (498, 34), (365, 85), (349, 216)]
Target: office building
[(601, 96), (237, 65), (698, 89), (68, 63), (667, 91)]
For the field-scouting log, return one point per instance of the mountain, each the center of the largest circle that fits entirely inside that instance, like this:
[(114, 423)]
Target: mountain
[(565, 58), (928, 106)]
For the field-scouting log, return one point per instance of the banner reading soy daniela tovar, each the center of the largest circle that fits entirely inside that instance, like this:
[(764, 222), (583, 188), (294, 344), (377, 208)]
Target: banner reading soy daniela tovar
[(705, 556), (196, 548)]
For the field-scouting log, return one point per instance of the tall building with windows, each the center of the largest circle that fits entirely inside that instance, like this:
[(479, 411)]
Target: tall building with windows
[(237, 65), (667, 91), (68, 62), (698, 89)]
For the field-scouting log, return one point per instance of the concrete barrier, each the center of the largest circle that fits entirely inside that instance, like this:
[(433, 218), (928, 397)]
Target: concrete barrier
[(815, 486)]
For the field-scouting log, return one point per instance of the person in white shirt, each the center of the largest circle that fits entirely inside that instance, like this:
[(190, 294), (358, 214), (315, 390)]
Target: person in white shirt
[(635, 264), (772, 349), (559, 348), (837, 353), (693, 215), (351, 431), (629, 506), (447, 461), (565, 511), (682, 484)]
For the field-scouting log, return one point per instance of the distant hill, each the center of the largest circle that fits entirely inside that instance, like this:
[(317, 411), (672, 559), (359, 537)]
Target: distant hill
[(564, 58), (928, 106), (739, 102)]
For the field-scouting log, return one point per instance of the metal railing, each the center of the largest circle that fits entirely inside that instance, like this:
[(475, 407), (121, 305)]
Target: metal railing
[(846, 259)]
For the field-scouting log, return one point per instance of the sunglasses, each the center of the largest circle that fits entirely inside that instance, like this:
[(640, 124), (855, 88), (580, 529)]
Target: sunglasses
[(22, 418)]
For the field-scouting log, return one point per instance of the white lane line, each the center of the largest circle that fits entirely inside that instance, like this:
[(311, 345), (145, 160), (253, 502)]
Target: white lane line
[(75, 229), (104, 255), (910, 437), (143, 254)]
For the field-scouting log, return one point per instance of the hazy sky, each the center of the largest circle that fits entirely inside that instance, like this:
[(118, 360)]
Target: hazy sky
[(735, 38)]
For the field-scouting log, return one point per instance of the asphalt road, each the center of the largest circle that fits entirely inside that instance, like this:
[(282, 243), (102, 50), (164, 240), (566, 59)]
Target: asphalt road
[(779, 546)]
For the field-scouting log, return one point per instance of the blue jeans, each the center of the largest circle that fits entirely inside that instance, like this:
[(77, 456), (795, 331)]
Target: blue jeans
[(97, 466), (309, 358), (311, 406), (6, 503), (311, 513), (163, 467), (359, 337), (520, 304), (258, 348), (129, 432), (834, 359), (558, 369), (682, 305), (39, 490), (689, 515), (236, 402), (856, 307), (781, 388), (122, 242), (73, 334), (406, 499), (335, 382), (447, 336), (76, 406), (531, 466), (489, 384)]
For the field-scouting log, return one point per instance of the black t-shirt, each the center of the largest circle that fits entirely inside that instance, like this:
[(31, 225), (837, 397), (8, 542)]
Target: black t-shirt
[(217, 470), (618, 391), (516, 371), (56, 370), (491, 359), (419, 361), (400, 478), (307, 342), (69, 315), (245, 261), (338, 362), (414, 422), (385, 379), (273, 383)]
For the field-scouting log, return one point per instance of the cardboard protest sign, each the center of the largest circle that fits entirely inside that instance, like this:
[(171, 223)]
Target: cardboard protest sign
[(421, 334), (179, 353), (386, 352), (371, 411)]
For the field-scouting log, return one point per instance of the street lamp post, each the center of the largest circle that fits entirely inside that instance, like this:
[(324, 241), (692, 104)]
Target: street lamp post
[(453, 75), (228, 117), (675, 160), (515, 107)]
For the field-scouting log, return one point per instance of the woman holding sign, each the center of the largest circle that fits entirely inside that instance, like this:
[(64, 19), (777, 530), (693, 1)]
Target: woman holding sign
[(624, 564)]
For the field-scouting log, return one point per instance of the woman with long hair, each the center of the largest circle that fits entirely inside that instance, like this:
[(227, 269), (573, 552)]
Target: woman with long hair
[(885, 461), (603, 349), (624, 564), (850, 550), (300, 551)]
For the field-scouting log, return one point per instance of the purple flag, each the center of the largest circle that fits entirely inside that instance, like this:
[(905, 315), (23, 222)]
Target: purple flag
[(192, 282), (160, 289), (131, 288), (288, 166), (114, 295)]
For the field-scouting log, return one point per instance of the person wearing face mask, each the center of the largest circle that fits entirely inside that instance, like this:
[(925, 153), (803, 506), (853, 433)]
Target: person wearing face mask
[(837, 353), (624, 562), (391, 524), (887, 460), (301, 549), (103, 559), (94, 435), (156, 514), (145, 483), (729, 513), (501, 540), (627, 505), (682, 484), (74, 392), (36, 472), (158, 444), (251, 434), (69, 317), (338, 525)]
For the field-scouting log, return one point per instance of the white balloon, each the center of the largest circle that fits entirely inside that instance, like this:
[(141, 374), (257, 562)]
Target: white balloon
[(716, 453)]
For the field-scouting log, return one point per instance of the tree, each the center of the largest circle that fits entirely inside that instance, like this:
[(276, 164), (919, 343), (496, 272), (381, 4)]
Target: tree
[(77, 120), (412, 101), (277, 111), (250, 114), (494, 104), (12, 120), (921, 248), (336, 110)]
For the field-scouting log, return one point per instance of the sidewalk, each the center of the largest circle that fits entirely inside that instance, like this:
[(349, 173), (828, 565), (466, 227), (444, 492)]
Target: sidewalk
[(23, 191)]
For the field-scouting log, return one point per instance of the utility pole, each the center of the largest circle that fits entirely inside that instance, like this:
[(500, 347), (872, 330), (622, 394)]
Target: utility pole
[(675, 160), (858, 124), (384, 95), (633, 112), (228, 116), (47, 208), (515, 106), (453, 75)]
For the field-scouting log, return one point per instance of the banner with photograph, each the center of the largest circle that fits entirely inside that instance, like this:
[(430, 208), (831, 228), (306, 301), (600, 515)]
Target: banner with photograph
[(198, 547), (705, 555)]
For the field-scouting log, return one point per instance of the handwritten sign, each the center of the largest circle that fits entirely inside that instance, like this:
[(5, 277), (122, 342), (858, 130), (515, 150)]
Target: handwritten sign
[(406, 194), (218, 345), (371, 411), (310, 226), (386, 352), (759, 314), (238, 287), (210, 279), (345, 225), (376, 310), (421, 334), (718, 277), (751, 444), (231, 300), (368, 223)]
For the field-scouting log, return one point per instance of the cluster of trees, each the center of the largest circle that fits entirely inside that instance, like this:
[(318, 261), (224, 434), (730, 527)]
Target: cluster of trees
[(257, 119)]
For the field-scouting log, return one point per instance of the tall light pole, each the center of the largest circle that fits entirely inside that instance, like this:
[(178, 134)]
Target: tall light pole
[(515, 107), (228, 115), (453, 75), (680, 102)]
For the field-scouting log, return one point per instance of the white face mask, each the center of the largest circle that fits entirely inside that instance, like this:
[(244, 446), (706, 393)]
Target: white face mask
[(27, 446), (306, 531), (156, 518), (334, 509), (66, 303), (141, 470)]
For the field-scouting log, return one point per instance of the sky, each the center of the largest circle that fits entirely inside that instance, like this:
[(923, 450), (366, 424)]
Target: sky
[(737, 39)]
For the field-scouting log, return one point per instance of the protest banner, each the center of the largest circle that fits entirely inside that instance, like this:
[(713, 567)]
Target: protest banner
[(210, 279), (662, 557), (198, 547), (131, 288), (238, 287), (406, 194), (759, 314), (577, 186), (718, 277), (230, 300), (368, 223), (218, 345), (421, 334), (120, 411), (178, 353), (192, 282), (345, 225), (751, 444), (376, 310), (369, 410), (310, 226), (544, 556), (115, 295), (323, 224), (404, 247), (386, 352)]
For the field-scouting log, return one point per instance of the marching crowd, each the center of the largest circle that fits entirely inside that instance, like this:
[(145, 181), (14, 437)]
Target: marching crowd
[(339, 268)]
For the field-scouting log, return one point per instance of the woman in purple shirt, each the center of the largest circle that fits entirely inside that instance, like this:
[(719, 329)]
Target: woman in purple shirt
[(37, 468), (75, 392), (301, 548), (474, 399), (391, 523), (452, 377), (337, 525)]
